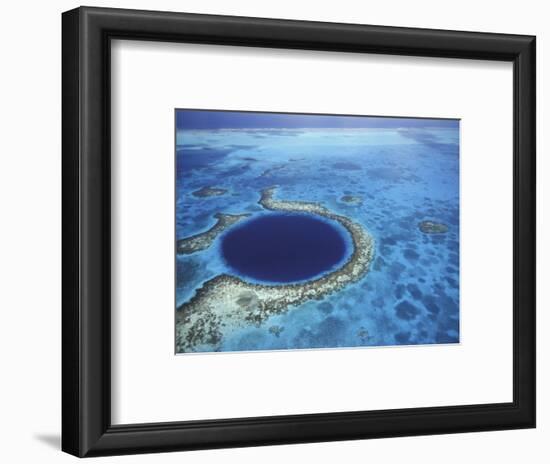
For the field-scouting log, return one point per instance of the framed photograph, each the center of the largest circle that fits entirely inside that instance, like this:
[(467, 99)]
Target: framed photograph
[(285, 231)]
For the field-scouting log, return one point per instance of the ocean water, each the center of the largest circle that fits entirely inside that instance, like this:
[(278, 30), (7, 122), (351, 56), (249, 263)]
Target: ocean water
[(293, 248), (395, 179)]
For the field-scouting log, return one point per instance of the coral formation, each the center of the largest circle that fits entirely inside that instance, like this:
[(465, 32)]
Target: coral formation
[(431, 227), (351, 199), (226, 302), (209, 192), (188, 245)]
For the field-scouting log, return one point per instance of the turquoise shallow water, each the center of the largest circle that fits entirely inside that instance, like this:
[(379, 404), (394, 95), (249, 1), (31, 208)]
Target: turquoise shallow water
[(397, 178)]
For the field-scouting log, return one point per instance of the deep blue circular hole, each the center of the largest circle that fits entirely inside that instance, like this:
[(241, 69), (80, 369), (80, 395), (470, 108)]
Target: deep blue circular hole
[(283, 248)]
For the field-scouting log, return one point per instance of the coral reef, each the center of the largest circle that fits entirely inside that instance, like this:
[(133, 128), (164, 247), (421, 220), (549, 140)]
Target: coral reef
[(226, 303), (188, 245), (430, 227), (351, 199), (209, 192)]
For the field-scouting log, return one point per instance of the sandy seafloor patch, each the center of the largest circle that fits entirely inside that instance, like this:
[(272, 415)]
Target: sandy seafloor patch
[(410, 294)]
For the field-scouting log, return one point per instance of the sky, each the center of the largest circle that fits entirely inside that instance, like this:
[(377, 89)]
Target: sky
[(208, 119)]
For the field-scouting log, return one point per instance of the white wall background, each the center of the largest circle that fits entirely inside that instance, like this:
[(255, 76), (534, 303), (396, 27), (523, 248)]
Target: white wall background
[(30, 246)]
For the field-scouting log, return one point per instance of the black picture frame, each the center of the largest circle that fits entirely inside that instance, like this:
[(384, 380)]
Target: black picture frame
[(86, 380)]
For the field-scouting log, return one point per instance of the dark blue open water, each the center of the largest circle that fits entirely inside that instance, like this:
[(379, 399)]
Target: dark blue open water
[(283, 248)]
